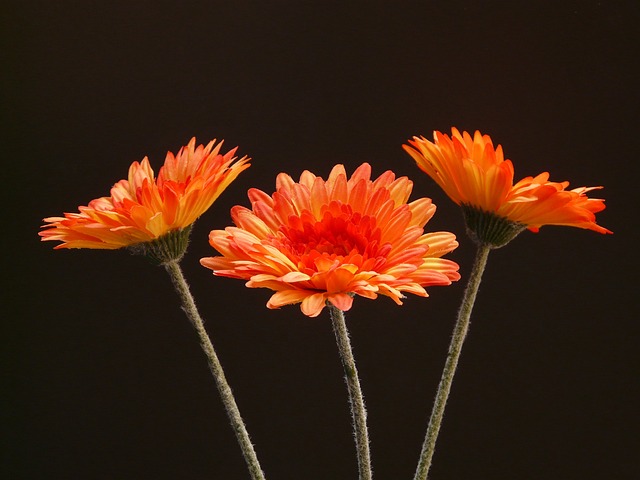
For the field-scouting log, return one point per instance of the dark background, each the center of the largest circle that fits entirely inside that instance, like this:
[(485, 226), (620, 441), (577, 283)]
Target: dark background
[(104, 378)]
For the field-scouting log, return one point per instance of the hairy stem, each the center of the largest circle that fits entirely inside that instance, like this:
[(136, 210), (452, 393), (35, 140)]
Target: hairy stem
[(459, 334), (189, 307), (356, 400)]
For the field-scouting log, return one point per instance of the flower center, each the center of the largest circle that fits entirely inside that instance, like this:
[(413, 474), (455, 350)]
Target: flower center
[(340, 234)]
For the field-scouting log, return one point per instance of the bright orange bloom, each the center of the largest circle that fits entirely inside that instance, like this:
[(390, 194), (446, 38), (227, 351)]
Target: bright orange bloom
[(142, 208), (475, 174), (317, 241)]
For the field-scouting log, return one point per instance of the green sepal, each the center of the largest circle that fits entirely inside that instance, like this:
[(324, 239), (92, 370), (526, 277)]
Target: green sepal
[(488, 228), (169, 247)]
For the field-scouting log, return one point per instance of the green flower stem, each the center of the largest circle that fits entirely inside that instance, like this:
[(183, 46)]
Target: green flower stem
[(189, 307), (459, 334), (358, 411)]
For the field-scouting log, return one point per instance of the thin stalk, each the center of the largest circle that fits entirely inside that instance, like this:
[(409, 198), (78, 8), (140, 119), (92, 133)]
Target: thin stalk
[(189, 307), (459, 334), (356, 400)]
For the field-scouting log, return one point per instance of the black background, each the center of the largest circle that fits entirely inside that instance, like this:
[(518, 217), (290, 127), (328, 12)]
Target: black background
[(104, 378)]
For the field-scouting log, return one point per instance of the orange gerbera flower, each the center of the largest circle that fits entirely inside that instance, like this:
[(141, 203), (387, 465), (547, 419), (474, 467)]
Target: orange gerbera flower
[(476, 176), (143, 208), (317, 241)]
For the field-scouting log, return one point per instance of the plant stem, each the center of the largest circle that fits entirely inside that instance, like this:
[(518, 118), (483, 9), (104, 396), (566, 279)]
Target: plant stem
[(459, 334), (356, 401), (189, 307)]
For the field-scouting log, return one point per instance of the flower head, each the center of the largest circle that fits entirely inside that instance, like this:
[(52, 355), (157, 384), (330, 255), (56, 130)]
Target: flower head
[(327, 240), (143, 208), (476, 176)]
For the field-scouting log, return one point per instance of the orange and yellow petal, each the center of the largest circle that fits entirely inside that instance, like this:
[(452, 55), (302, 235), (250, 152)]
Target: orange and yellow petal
[(143, 208), (475, 175), (316, 241)]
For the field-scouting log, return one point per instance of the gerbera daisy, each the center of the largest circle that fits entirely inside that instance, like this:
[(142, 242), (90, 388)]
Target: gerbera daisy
[(320, 240), (477, 177), (142, 208), (154, 217)]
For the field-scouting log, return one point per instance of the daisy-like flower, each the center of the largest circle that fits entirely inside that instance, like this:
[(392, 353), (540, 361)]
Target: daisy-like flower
[(476, 176), (320, 240), (143, 209), (153, 217)]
